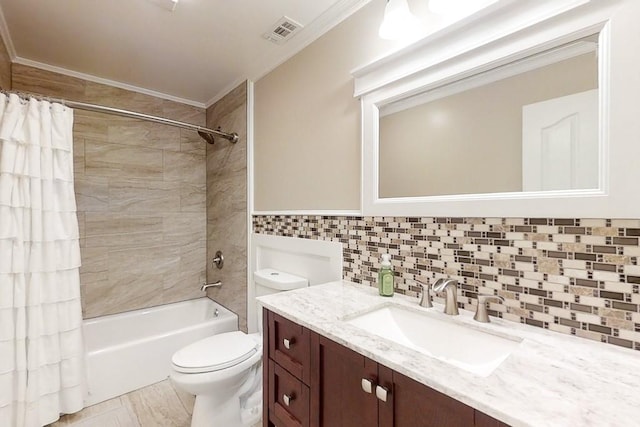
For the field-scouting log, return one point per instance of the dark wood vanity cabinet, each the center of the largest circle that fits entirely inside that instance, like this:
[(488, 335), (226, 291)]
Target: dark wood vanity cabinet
[(286, 372), (337, 396), (333, 386)]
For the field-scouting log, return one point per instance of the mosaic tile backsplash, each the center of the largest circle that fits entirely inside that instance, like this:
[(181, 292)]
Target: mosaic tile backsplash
[(574, 276)]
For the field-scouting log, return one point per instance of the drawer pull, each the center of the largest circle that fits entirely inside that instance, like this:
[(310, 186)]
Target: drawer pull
[(287, 399), (381, 393), (288, 343), (367, 385)]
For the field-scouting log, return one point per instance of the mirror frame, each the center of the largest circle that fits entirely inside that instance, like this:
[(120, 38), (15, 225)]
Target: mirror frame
[(510, 32)]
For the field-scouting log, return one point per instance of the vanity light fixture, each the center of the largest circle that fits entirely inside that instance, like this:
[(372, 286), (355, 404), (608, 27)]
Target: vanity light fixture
[(398, 22)]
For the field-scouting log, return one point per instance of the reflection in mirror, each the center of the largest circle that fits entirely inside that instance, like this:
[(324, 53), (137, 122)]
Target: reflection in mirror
[(531, 125)]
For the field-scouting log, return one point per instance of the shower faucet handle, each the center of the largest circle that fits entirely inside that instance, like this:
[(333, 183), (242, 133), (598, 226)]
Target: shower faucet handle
[(218, 260)]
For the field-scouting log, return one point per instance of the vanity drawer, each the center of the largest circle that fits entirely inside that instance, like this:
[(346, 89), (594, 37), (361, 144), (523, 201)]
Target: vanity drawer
[(288, 398), (289, 346)]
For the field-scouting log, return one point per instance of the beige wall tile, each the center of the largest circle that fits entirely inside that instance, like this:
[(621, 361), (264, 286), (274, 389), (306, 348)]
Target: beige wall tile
[(106, 297), (193, 197), (95, 267), (143, 196), (227, 203), (5, 67), (183, 228), (123, 161), (92, 194), (158, 259), (29, 79), (97, 93), (124, 241), (99, 223), (179, 166), (78, 157), (182, 113), (89, 125), (235, 99), (191, 142), (150, 135), (193, 256)]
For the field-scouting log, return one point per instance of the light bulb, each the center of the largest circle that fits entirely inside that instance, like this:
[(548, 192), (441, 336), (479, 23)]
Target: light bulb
[(399, 22)]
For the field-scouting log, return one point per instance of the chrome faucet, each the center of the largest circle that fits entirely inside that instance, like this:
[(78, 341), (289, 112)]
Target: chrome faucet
[(450, 286), (481, 311), (425, 295), (206, 286)]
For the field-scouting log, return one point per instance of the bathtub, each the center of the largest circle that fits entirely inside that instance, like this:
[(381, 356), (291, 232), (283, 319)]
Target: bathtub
[(132, 350)]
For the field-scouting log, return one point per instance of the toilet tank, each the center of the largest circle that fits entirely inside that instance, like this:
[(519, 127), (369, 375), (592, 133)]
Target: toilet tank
[(269, 281)]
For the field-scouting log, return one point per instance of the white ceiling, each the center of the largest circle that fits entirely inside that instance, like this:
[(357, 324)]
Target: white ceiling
[(194, 54)]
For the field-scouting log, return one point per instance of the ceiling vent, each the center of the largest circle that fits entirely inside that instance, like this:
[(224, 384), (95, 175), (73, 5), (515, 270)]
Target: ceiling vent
[(283, 30)]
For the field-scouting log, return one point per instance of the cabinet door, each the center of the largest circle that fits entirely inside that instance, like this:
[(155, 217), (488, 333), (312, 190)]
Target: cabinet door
[(289, 346), (288, 398), (415, 405), (338, 396), (484, 420)]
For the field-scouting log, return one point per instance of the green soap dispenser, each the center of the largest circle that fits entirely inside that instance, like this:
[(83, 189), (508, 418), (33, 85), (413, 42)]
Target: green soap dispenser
[(385, 277)]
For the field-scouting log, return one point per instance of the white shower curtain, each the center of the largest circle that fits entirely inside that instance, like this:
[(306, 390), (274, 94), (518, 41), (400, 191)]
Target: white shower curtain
[(41, 350)]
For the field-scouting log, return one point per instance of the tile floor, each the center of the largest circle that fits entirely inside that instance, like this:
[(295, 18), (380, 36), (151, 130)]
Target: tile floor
[(154, 406)]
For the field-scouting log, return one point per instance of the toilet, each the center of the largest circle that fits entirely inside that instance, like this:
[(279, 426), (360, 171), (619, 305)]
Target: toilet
[(220, 369)]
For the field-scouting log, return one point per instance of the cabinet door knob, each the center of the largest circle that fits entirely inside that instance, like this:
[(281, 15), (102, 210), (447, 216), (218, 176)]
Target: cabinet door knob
[(287, 399), (288, 343), (381, 393), (367, 385)]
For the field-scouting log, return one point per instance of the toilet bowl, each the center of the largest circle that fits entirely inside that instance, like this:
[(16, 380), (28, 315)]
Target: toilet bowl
[(218, 369), (214, 370)]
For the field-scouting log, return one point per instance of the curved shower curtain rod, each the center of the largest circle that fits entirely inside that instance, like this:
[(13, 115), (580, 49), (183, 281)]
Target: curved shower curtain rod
[(205, 133)]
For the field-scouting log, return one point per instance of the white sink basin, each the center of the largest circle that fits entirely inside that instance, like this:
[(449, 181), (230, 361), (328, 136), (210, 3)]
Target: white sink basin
[(467, 348)]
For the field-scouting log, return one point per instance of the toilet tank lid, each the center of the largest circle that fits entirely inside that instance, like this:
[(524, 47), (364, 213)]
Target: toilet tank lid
[(279, 280)]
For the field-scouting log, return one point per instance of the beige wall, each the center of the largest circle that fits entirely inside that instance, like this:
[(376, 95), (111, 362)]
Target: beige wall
[(5, 67), (227, 203), (471, 142), (307, 122), (140, 189)]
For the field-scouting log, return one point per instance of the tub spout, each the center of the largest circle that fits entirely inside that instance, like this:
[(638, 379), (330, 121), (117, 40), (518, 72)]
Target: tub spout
[(206, 286)]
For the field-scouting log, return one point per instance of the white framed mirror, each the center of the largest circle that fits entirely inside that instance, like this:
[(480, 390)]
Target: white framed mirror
[(516, 125), (530, 125)]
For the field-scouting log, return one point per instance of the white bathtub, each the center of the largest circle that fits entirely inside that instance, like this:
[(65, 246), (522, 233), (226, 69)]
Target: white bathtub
[(132, 350)]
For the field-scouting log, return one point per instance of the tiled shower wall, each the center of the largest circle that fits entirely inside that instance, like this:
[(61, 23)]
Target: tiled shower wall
[(574, 276), (141, 195), (227, 203), (5, 67)]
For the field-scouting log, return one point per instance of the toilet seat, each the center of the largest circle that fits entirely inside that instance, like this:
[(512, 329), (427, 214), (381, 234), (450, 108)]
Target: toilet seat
[(215, 353)]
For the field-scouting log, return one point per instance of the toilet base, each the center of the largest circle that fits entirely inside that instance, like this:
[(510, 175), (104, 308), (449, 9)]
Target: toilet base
[(210, 412)]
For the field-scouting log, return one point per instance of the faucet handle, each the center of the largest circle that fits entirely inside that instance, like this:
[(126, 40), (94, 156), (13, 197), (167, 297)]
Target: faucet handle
[(442, 283), (425, 296), (481, 312)]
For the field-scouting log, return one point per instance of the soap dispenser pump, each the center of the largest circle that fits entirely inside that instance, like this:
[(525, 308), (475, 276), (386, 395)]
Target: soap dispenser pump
[(385, 277)]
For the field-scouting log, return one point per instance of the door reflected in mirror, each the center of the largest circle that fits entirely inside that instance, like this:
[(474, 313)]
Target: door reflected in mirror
[(531, 125)]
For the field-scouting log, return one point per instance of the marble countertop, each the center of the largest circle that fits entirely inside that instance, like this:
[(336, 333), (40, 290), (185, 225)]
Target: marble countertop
[(551, 379)]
